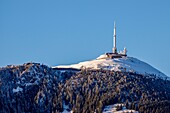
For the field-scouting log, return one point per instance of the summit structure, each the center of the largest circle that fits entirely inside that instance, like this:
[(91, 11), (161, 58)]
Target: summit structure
[(114, 39), (115, 61), (115, 53)]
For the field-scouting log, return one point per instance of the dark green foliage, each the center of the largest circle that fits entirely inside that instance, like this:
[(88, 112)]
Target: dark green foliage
[(45, 90), (100, 88), (41, 89)]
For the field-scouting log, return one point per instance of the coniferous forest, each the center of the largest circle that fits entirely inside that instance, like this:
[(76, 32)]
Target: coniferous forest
[(36, 88)]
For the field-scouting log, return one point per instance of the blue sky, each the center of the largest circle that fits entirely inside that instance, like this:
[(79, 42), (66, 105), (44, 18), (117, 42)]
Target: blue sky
[(69, 31)]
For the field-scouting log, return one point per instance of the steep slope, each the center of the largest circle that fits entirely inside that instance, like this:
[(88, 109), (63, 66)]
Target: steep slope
[(125, 64)]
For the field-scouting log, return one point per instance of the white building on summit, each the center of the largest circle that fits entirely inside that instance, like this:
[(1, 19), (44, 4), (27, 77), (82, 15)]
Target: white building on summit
[(114, 53)]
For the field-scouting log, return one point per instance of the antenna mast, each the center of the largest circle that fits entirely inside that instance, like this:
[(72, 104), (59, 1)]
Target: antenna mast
[(114, 39)]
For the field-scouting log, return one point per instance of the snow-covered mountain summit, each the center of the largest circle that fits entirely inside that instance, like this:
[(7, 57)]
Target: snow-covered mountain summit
[(117, 61), (125, 64)]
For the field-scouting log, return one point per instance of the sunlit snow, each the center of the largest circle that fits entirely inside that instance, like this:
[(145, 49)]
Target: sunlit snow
[(17, 89), (127, 64), (113, 109)]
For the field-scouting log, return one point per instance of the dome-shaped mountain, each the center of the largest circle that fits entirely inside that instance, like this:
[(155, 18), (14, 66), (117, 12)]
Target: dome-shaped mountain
[(125, 64)]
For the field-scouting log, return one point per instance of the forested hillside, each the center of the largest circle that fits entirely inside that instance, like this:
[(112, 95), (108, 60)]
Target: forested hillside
[(36, 88)]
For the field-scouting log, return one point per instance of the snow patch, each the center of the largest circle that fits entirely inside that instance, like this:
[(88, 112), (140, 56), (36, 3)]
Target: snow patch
[(66, 109), (17, 89), (28, 84), (113, 109)]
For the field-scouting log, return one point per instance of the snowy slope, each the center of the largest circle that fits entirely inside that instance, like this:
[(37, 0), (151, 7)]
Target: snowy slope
[(128, 64), (113, 109)]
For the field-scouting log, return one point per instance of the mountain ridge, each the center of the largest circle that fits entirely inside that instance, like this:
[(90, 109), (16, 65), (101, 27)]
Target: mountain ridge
[(125, 64)]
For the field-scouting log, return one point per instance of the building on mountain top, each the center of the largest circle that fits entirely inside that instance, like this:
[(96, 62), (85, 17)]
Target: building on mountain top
[(114, 53)]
